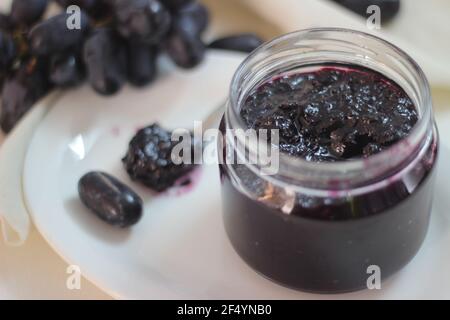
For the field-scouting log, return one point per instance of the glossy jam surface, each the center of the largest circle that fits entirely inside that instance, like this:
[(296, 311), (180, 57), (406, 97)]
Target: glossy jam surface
[(331, 113)]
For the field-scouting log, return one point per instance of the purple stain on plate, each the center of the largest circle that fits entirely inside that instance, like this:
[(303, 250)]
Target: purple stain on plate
[(186, 183), (115, 131)]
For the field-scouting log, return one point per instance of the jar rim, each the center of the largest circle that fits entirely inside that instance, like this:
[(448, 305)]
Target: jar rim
[(348, 172)]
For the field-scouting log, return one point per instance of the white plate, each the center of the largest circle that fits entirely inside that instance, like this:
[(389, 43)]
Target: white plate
[(179, 249)]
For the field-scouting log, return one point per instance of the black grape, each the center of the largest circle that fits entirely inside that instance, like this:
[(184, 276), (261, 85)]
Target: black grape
[(104, 54), (193, 18), (7, 52), (244, 42), (53, 35), (141, 63), (142, 20), (27, 12), (185, 49), (21, 91), (66, 69)]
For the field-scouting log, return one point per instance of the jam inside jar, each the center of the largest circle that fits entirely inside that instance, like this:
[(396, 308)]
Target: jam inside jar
[(352, 191)]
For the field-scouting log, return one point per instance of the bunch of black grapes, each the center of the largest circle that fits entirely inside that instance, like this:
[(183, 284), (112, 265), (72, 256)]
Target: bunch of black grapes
[(112, 42)]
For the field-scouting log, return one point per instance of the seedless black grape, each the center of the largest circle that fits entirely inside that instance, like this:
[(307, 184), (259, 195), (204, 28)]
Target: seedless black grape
[(242, 42), (110, 199), (142, 20), (21, 90), (53, 35), (105, 57), (7, 52), (141, 63), (185, 49), (66, 69), (27, 12)]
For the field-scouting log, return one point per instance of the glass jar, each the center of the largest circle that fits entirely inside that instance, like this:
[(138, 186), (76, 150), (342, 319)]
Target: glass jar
[(326, 227)]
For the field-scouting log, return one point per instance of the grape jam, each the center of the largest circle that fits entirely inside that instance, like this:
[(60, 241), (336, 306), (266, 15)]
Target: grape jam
[(333, 113), (325, 244)]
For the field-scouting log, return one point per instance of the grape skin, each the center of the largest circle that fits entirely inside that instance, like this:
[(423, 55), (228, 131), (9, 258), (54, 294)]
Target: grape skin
[(145, 21), (53, 36), (243, 42), (27, 12), (105, 57), (141, 63), (21, 91), (7, 52), (66, 70)]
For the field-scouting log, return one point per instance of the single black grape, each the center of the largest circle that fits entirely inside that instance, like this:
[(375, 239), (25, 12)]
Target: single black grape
[(53, 35), (149, 161), (66, 69), (5, 23), (142, 20), (388, 8), (109, 199), (83, 4), (95, 8), (175, 5), (141, 63), (243, 42), (27, 12), (104, 55), (21, 91), (185, 49), (8, 52), (193, 18)]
